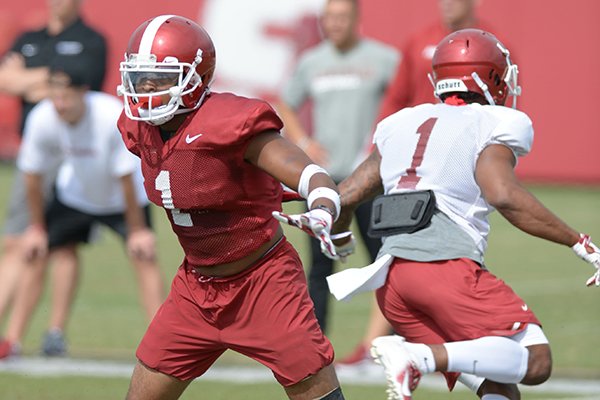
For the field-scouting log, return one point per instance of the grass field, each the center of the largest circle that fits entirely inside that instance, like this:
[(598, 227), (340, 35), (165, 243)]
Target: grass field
[(108, 322)]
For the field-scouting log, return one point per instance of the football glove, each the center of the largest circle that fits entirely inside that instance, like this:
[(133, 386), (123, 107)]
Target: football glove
[(345, 249), (581, 249), (316, 223)]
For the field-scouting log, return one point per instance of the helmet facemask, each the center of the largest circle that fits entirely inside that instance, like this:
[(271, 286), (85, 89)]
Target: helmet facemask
[(511, 76), (180, 79)]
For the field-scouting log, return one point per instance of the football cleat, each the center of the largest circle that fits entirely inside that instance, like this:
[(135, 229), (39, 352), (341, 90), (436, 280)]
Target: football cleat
[(400, 369)]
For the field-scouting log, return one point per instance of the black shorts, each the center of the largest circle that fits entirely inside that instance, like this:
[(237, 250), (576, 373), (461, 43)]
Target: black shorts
[(66, 225)]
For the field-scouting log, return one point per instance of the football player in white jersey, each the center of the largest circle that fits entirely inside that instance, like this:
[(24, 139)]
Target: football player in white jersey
[(459, 156)]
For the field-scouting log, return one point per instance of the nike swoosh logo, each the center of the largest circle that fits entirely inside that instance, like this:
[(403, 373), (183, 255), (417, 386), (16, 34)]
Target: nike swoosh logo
[(189, 139), (524, 307)]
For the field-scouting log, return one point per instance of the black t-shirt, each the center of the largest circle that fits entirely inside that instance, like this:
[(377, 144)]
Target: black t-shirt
[(78, 43)]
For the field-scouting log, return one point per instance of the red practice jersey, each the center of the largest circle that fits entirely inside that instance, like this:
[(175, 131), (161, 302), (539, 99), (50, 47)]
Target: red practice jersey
[(219, 204)]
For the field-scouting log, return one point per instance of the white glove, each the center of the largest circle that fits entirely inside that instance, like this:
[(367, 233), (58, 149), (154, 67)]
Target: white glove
[(581, 249), (344, 250), (316, 223)]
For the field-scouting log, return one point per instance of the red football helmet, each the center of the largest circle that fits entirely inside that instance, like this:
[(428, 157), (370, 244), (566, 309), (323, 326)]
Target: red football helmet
[(175, 52), (472, 60)]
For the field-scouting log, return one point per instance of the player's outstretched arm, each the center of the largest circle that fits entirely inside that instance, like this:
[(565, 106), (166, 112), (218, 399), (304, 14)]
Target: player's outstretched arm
[(287, 163), (501, 189), (362, 185)]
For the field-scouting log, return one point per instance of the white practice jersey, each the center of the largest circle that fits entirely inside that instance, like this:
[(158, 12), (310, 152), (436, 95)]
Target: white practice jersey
[(92, 155), (436, 147)]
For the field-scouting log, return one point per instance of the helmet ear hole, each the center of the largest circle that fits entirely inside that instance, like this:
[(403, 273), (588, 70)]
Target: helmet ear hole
[(494, 77)]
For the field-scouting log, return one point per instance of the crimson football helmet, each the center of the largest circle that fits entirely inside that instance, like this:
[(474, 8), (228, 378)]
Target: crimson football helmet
[(472, 60), (178, 56)]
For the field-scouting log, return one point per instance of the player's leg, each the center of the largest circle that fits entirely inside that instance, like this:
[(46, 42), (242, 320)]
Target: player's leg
[(320, 268), (323, 385), (268, 315), (377, 325), (27, 295), (148, 384), (65, 279), (490, 390), (11, 268), (151, 285), (147, 272), (67, 228), (497, 347), (180, 344), (12, 262)]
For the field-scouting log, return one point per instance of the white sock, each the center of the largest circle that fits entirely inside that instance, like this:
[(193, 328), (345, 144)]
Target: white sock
[(496, 358), (423, 356), (494, 397), (471, 381)]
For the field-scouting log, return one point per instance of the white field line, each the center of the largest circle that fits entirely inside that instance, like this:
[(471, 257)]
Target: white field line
[(365, 374)]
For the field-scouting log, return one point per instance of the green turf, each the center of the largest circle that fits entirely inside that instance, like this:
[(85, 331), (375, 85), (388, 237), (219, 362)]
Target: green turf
[(107, 320), (16, 387)]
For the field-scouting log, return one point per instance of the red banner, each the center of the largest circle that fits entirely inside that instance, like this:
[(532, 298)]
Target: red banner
[(258, 42)]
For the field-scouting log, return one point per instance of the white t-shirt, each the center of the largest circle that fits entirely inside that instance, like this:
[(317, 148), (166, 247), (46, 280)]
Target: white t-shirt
[(436, 147), (93, 155)]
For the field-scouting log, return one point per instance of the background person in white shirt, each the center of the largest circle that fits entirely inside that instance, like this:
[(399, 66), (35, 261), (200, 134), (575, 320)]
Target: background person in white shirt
[(98, 181)]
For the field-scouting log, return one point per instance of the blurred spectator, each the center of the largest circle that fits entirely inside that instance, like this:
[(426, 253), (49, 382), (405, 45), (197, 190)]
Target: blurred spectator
[(98, 181), (24, 73), (24, 70), (411, 85), (345, 77)]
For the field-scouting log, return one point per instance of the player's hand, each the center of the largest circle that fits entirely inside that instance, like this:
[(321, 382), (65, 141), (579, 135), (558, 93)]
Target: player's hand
[(344, 243), (35, 243), (589, 252), (141, 245), (316, 223)]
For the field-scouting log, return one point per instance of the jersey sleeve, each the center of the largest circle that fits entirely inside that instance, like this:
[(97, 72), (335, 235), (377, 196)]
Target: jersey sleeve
[(128, 133), (123, 162), (515, 132), (262, 118), (38, 150)]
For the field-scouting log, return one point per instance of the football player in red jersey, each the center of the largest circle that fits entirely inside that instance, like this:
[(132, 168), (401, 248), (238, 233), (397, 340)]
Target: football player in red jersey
[(215, 162)]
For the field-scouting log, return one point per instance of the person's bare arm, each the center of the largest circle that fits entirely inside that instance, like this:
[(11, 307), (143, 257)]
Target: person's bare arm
[(141, 243), (495, 176), (278, 157), (298, 135), (17, 80), (35, 238), (362, 185)]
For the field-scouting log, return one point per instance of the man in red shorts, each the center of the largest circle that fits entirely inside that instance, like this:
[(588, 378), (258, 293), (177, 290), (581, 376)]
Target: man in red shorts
[(215, 162), (443, 168)]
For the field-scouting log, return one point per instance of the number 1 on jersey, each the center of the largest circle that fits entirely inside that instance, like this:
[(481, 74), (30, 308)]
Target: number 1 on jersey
[(163, 184), (410, 180)]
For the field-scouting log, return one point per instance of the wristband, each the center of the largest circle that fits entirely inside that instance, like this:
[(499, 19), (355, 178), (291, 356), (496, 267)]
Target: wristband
[(327, 193), (308, 173)]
